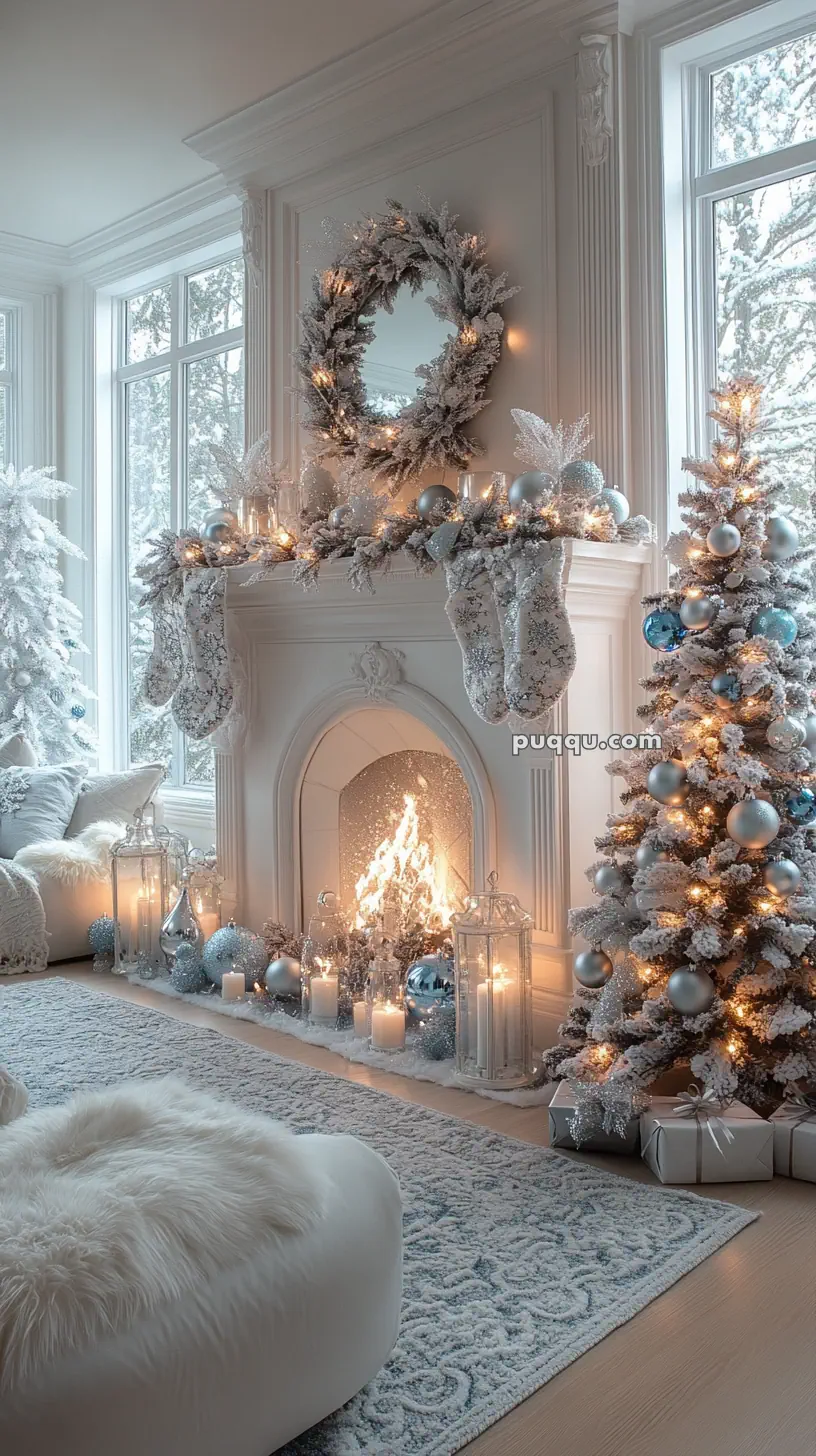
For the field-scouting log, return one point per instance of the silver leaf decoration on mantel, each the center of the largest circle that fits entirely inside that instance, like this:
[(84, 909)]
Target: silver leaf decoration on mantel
[(379, 669), (594, 101)]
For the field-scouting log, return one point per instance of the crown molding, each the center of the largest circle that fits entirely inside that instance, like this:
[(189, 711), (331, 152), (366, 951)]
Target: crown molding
[(443, 60)]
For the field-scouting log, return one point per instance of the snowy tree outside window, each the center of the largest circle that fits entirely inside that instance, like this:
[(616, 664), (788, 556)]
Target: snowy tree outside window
[(181, 378), (764, 243)]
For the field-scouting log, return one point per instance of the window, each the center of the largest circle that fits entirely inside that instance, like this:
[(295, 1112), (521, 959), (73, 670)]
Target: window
[(180, 384), (7, 391), (751, 233)]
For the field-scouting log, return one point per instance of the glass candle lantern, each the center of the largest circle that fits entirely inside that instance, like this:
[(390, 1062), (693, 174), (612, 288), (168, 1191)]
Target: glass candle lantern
[(386, 1004), (324, 963), (493, 970), (476, 485), (258, 513), (178, 852), (205, 895), (139, 876)]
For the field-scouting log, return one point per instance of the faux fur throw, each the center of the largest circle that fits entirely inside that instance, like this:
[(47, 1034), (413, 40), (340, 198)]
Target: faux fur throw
[(23, 942), (127, 1199), (73, 861)]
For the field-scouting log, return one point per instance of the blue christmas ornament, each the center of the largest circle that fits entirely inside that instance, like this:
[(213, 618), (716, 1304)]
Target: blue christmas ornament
[(582, 477), (664, 631), (776, 624), (77, 711), (726, 688), (801, 806), (101, 935), (70, 643)]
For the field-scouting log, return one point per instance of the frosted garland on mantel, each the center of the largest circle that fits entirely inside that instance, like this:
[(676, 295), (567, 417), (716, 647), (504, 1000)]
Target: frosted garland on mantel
[(503, 569)]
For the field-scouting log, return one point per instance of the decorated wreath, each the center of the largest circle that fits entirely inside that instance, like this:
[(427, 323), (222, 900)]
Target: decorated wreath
[(378, 257)]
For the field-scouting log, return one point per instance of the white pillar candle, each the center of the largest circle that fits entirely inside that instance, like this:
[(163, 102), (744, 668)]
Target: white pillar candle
[(388, 1028), (360, 1018), (323, 992), (233, 986), (482, 1029), (209, 920)]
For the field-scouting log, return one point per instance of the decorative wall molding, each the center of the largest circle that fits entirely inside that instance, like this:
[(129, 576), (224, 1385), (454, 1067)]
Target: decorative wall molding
[(594, 101), (378, 669), (253, 236), (257, 319), (229, 828)]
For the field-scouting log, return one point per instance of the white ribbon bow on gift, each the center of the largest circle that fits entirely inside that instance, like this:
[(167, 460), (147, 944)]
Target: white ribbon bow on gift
[(705, 1107)]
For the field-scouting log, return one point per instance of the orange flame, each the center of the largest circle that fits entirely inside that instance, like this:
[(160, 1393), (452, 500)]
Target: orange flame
[(404, 870)]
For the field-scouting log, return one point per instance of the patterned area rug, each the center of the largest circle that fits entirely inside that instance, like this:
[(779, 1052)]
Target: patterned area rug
[(517, 1259)]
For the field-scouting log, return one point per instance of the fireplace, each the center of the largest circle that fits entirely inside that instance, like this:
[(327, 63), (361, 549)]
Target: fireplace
[(360, 746)]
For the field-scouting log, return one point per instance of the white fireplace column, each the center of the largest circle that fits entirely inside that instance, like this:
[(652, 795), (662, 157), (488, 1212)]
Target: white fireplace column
[(310, 662)]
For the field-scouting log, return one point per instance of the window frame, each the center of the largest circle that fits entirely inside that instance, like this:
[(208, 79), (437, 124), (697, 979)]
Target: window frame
[(10, 382), (175, 361), (692, 187)]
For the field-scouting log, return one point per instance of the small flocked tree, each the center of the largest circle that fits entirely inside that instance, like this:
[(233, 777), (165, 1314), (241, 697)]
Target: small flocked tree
[(41, 692), (707, 886)]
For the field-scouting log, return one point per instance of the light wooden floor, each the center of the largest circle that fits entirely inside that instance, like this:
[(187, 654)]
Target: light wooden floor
[(723, 1364)]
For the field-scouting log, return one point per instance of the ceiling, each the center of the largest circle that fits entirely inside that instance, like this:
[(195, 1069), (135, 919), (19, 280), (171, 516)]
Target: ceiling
[(98, 94)]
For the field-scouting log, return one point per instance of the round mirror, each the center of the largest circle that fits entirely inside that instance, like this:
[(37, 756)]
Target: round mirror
[(404, 339)]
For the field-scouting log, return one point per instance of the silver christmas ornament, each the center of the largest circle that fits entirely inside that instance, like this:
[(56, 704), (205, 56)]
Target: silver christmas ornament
[(220, 952), (785, 734), (667, 783), (698, 612), (182, 927), (608, 880), (223, 516), (593, 969), (187, 974), (680, 688), (582, 477), (782, 877), (646, 856), (752, 823), (726, 688), (734, 579), (282, 978), (615, 502), (782, 539), (435, 498), (723, 540), (810, 732), (531, 488), (429, 983), (340, 516), (690, 992), (216, 532)]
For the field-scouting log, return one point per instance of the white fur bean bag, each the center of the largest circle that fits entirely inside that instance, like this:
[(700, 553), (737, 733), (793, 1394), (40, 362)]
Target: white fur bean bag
[(127, 1199)]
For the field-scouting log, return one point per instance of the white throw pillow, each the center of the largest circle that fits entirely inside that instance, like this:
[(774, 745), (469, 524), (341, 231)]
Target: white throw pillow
[(114, 796), (16, 752), (36, 803)]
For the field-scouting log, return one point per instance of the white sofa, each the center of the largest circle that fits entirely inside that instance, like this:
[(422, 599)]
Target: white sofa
[(260, 1355)]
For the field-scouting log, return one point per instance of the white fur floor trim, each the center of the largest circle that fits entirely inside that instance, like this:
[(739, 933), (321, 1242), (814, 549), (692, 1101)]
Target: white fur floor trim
[(353, 1048)]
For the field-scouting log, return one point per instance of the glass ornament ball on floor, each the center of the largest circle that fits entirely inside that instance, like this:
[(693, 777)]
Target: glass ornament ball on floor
[(532, 489), (613, 501), (782, 539), (690, 992), (726, 688), (592, 968), (436, 500), (782, 877), (786, 734), (698, 612), (801, 806), (428, 983), (723, 540), (776, 624), (582, 476), (282, 978), (753, 823), (664, 630), (668, 783)]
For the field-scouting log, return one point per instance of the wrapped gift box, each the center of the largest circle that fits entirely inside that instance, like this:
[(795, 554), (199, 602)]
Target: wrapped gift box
[(794, 1135), (679, 1148), (563, 1109)]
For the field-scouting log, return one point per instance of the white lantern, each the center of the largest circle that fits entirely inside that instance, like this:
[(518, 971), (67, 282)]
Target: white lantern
[(493, 970), (139, 876)]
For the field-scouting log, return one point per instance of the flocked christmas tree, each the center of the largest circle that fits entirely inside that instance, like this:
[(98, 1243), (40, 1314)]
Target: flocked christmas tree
[(702, 940), (41, 692)]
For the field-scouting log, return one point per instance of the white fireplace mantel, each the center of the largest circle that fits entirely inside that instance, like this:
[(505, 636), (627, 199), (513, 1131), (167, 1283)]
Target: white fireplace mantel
[(534, 814)]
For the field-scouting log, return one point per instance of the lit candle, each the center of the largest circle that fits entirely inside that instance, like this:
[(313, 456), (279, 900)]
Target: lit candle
[(388, 1028), (323, 990), (233, 986), (499, 1057), (209, 920), (360, 1018)]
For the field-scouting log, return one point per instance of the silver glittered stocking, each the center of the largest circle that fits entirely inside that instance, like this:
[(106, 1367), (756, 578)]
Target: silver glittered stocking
[(539, 647), (471, 609)]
